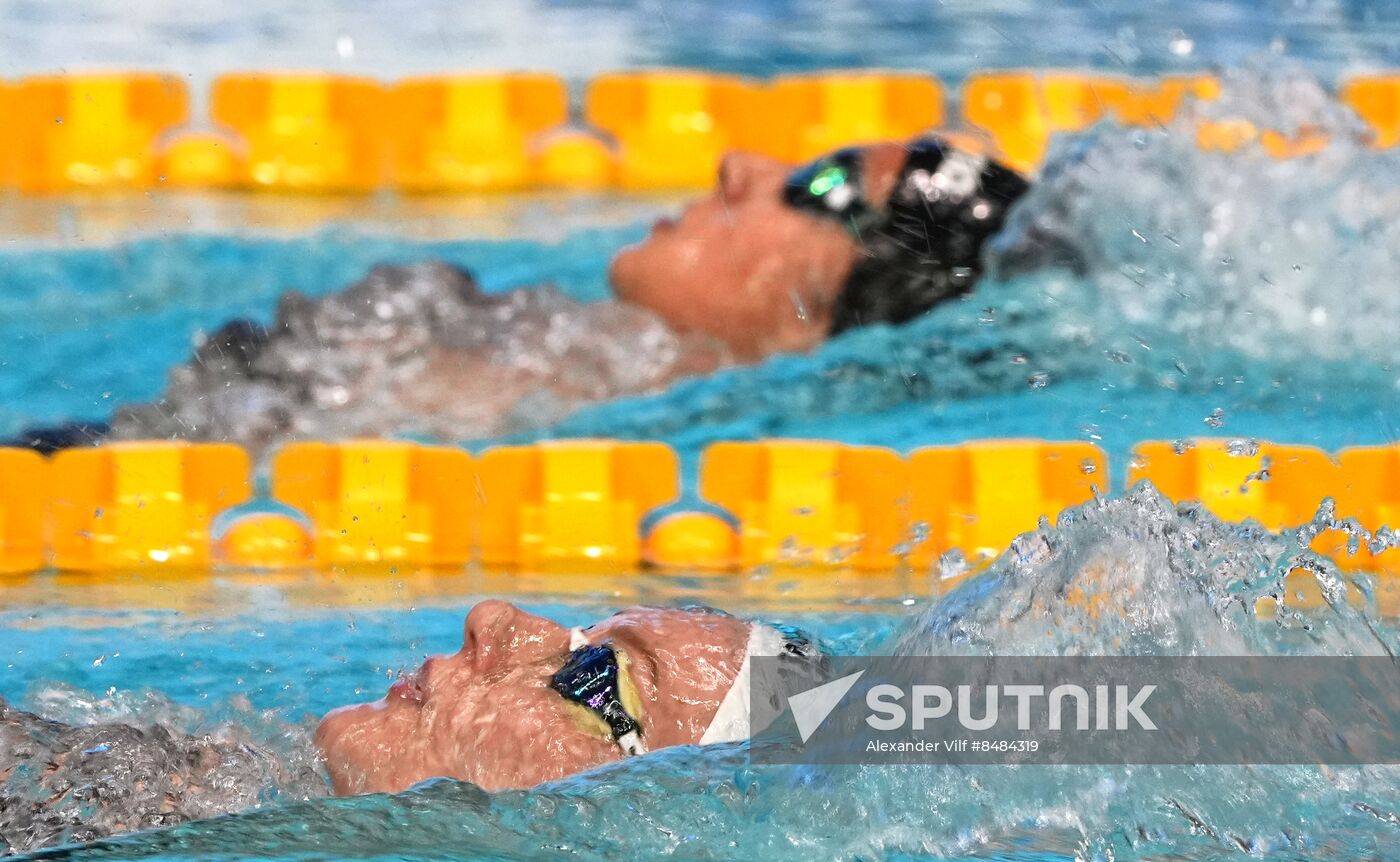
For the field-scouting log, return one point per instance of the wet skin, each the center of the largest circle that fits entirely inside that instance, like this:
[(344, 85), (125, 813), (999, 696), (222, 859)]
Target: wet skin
[(486, 713), (744, 267)]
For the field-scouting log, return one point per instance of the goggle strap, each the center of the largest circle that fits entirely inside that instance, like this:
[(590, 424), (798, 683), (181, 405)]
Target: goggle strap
[(631, 743)]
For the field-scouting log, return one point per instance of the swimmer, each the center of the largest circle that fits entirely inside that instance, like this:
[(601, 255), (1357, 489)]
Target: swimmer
[(527, 701), (524, 701), (772, 260)]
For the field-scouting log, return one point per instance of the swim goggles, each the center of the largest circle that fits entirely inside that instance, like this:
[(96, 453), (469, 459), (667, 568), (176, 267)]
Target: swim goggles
[(833, 187), (591, 678)]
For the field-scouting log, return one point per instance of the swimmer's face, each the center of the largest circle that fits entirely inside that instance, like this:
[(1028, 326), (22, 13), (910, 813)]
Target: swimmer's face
[(487, 714), (743, 266)]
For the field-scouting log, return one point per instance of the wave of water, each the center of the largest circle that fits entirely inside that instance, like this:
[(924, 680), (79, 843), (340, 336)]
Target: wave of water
[(414, 350), (1132, 575), (93, 766)]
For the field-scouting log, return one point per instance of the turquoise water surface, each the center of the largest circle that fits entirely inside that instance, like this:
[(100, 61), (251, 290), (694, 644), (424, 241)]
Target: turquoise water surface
[(1221, 295)]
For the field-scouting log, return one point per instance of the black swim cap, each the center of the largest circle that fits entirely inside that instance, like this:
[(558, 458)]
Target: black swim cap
[(925, 245)]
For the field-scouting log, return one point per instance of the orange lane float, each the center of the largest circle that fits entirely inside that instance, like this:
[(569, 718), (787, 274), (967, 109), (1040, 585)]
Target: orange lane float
[(1157, 101), (1277, 485), (662, 129), (9, 156), (1021, 110), (571, 502), (1376, 99), (91, 131), (1280, 486), (1369, 491), (138, 505), (673, 126), (380, 501), (807, 502), (265, 540), (471, 132), (814, 114), (692, 540), (305, 132), (581, 503), (976, 497), (573, 159), (24, 489), (201, 160)]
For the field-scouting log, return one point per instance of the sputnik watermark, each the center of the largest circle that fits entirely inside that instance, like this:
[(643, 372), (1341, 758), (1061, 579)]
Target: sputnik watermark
[(1076, 710), (932, 702)]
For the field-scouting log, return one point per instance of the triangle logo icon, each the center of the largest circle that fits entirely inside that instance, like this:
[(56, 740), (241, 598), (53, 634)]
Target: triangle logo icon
[(811, 707)]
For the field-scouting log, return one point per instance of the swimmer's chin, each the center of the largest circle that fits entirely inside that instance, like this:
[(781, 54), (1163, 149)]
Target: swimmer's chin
[(623, 275), (354, 744)]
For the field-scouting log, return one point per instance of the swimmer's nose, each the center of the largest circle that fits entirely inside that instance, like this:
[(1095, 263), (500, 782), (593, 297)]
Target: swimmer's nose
[(743, 174), (497, 632)]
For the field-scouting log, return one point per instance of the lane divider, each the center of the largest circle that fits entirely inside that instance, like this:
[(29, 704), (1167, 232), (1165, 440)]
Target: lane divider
[(978, 496), (571, 502), (582, 504), (136, 505), (663, 129), (373, 501), (24, 505), (67, 132)]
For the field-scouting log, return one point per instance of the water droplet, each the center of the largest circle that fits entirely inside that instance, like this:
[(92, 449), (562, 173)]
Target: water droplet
[(1241, 447), (1216, 419)]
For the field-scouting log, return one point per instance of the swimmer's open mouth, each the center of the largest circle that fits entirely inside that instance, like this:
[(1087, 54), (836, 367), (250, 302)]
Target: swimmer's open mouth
[(409, 686)]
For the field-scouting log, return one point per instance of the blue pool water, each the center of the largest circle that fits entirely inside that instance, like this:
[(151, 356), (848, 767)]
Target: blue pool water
[(579, 38), (82, 330), (1222, 295)]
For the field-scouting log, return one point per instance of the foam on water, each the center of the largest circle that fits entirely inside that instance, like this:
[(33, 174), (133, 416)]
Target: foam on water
[(122, 762), (416, 350)]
